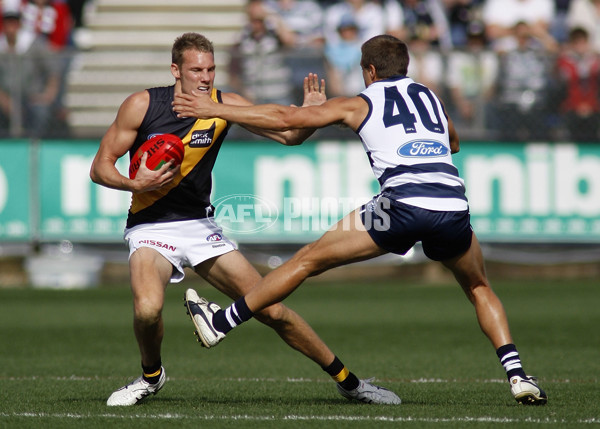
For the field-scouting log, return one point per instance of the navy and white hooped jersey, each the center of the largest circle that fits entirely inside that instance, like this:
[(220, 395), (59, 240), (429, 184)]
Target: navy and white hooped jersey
[(405, 135)]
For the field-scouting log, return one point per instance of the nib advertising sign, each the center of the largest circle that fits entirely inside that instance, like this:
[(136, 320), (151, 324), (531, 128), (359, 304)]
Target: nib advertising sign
[(533, 192), (265, 192)]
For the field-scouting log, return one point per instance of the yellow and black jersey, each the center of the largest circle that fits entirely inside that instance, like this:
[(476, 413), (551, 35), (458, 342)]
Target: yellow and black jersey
[(188, 195)]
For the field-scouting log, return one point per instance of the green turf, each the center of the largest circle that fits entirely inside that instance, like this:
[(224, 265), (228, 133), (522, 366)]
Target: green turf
[(63, 353)]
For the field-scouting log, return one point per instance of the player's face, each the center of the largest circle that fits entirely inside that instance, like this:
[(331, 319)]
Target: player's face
[(197, 72)]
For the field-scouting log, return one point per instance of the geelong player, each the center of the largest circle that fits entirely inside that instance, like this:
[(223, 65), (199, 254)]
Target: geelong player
[(172, 208), (409, 141)]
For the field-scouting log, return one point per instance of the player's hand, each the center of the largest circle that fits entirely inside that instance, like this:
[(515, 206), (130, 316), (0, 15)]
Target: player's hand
[(149, 180), (314, 90), (193, 106)]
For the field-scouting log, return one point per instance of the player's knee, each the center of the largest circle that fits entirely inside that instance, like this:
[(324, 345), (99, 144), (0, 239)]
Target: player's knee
[(273, 316), (147, 309), (477, 290)]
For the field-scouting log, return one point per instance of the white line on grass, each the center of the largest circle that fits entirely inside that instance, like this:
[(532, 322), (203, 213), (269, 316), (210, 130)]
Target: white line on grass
[(245, 417), (288, 379)]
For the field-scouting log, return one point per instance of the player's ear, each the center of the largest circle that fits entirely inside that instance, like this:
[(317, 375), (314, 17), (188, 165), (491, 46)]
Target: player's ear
[(372, 72), (175, 71)]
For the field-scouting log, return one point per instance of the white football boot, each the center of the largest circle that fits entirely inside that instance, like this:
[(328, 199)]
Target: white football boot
[(526, 391), (370, 394), (201, 312), (135, 391)]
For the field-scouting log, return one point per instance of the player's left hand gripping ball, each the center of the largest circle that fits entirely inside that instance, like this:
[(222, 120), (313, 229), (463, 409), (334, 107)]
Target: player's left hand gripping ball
[(161, 149)]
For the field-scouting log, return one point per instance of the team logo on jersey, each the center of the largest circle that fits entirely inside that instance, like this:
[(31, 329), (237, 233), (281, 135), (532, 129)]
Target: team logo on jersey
[(203, 138), (214, 237), (426, 148)]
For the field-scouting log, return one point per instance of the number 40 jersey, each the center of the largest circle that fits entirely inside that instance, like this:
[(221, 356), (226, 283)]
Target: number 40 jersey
[(405, 135)]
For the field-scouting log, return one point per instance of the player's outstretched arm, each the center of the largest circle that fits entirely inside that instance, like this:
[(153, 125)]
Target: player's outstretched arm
[(340, 110), (267, 120)]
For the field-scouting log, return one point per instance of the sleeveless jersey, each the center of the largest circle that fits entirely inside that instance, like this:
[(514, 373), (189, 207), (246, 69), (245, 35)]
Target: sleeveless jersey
[(405, 135), (188, 195)]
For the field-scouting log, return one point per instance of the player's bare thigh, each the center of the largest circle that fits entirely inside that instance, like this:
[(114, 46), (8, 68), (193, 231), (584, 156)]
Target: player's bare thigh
[(230, 273), (234, 276), (346, 242)]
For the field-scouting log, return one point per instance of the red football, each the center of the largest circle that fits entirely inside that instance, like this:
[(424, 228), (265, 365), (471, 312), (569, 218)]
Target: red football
[(161, 149)]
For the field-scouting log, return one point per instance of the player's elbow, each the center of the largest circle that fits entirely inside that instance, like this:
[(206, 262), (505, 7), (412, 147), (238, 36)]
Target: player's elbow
[(94, 174), (286, 118), (292, 141), (283, 124)]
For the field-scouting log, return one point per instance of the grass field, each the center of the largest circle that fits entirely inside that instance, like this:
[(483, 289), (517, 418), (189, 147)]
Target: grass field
[(63, 353)]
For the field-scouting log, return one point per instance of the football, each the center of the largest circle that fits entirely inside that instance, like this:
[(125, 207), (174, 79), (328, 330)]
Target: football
[(161, 149)]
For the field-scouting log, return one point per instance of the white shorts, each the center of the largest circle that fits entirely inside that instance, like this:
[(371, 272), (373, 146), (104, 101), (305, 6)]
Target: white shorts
[(184, 243)]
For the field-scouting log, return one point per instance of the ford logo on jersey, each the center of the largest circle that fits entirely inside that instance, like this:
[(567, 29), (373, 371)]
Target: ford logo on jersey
[(428, 148)]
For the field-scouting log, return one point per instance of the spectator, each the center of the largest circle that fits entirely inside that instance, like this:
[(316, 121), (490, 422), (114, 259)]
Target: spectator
[(522, 87), (558, 26), (29, 79), (10, 5), (579, 72), (369, 17), (344, 77), (302, 21), (470, 78), (258, 70), (50, 18), (501, 16), (394, 17), (460, 15), (586, 14), (426, 65), (426, 20)]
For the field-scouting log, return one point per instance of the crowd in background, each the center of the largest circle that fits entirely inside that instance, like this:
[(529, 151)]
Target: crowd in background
[(506, 69), (36, 42)]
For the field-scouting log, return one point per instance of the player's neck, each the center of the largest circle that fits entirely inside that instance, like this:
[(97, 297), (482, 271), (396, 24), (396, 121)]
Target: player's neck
[(178, 87)]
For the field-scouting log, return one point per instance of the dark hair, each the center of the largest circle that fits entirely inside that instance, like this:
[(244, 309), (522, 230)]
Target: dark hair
[(388, 54), (11, 14), (190, 41), (578, 33)]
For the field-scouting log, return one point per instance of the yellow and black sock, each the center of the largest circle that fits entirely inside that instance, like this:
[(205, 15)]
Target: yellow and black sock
[(152, 373), (341, 375)]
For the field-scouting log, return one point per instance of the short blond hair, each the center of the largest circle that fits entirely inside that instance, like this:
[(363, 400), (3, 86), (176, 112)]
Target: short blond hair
[(189, 41)]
